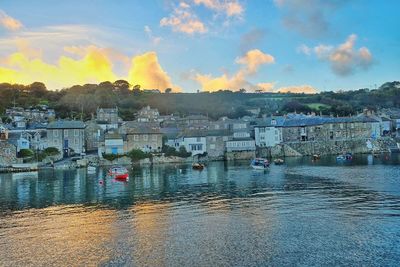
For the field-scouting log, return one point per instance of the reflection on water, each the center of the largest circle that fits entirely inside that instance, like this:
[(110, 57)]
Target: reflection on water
[(300, 213)]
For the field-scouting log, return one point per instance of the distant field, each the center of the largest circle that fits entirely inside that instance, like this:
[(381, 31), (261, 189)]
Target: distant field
[(318, 106)]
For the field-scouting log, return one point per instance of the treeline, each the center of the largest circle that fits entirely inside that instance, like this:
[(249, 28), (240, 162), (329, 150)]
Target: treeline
[(82, 100)]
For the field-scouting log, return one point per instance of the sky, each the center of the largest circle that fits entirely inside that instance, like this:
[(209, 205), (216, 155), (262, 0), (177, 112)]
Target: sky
[(202, 45)]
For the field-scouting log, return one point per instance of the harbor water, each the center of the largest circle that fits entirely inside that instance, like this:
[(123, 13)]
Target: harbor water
[(301, 213)]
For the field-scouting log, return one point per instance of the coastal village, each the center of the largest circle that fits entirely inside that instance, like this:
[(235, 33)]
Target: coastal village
[(37, 135)]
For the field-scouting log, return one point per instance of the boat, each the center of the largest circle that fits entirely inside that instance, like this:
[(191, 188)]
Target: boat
[(345, 157), (119, 173), (197, 166), (316, 156), (259, 164), (91, 169), (279, 161)]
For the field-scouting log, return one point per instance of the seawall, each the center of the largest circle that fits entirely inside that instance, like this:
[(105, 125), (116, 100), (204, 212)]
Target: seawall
[(308, 148)]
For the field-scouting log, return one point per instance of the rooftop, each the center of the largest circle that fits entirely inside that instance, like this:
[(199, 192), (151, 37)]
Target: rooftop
[(66, 124)]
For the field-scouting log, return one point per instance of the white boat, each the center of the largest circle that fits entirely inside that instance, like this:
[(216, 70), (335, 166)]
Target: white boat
[(91, 169), (259, 164)]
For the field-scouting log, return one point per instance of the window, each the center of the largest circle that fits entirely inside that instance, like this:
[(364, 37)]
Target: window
[(76, 141), (154, 137), (225, 138), (55, 133), (145, 137), (76, 132), (262, 130), (198, 139), (212, 146), (136, 137), (65, 133)]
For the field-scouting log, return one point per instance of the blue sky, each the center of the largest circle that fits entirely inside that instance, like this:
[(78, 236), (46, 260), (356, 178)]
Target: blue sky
[(280, 45)]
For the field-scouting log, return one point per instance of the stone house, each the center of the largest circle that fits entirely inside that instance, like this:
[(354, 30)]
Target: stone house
[(67, 136), (299, 128), (8, 153), (194, 122), (148, 114), (109, 115), (144, 137), (215, 142), (93, 135)]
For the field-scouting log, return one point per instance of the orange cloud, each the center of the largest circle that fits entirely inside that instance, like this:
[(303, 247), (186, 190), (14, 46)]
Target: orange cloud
[(94, 65), (254, 58), (251, 61), (307, 89), (147, 72), (183, 20), (8, 22)]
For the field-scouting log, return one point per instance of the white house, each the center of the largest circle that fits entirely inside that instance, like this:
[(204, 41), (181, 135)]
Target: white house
[(243, 144), (194, 141), (268, 133), (113, 144)]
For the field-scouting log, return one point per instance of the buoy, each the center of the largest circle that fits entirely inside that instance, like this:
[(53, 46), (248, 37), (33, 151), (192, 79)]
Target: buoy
[(101, 182)]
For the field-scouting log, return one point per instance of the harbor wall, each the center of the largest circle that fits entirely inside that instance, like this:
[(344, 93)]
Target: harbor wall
[(308, 148)]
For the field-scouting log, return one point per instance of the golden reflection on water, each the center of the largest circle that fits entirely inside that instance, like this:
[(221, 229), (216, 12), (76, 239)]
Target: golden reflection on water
[(62, 235)]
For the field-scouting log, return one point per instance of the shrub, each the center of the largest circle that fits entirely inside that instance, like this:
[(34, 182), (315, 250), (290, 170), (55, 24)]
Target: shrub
[(170, 151), (111, 157), (26, 153), (51, 151), (137, 154)]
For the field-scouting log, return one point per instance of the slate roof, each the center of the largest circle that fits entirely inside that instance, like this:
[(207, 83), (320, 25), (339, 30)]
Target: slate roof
[(221, 132), (66, 124)]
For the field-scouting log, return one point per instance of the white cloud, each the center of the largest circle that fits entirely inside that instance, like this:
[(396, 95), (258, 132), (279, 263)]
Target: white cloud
[(184, 20), (230, 8), (304, 49), (345, 59), (154, 39)]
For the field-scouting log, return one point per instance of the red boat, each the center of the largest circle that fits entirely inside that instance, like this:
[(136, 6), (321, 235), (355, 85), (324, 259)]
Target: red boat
[(118, 172)]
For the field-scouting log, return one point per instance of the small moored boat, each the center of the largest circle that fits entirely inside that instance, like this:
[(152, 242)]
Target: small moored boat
[(197, 166), (259, 164), (118, 172), (91, 168), (279, 161), (345, 157)]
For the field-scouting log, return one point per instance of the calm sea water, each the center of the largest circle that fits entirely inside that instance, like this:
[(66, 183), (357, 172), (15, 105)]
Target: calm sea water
[(302, 213)]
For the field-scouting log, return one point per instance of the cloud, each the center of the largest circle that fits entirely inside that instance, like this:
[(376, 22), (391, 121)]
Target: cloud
[(9, 22), (154, 39), (251, 38), (266, 87), (184, 20), (303, 49), (307, 89), (345, 59), (309, 18), (253, 59), (92, 65), (147, 72), (230, 8)]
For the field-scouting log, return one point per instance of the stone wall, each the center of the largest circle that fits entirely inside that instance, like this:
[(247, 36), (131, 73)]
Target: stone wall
[(242, 155), (308, 148)]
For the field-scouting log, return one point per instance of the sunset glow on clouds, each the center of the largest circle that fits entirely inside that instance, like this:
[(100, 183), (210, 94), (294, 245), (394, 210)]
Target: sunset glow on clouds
[(190, 45)]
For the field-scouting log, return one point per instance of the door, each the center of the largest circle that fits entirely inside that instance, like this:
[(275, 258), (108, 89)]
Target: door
[(114, 150)]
